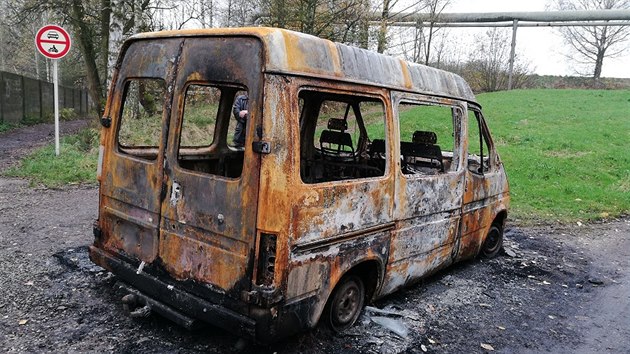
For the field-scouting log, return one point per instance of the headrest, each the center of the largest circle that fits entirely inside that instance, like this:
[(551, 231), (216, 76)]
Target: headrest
[(337, 124), (335, 137), (424, 137)]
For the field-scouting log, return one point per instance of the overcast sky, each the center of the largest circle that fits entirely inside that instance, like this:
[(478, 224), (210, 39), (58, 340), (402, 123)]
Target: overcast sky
[(543, 47)]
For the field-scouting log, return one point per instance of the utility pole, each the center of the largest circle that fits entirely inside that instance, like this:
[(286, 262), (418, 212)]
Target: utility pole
[(512, 54)]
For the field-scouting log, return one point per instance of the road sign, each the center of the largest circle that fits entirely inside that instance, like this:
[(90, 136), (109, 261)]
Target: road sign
[(53, 42)]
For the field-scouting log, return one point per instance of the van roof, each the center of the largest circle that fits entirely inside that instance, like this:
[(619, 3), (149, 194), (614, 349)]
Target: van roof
[(291, 52)]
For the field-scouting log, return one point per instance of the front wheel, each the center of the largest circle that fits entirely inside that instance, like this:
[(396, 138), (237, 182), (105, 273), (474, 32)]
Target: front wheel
[(493, 242), (346, 303)]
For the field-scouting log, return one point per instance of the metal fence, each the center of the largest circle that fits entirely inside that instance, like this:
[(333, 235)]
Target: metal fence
[(26, 100)]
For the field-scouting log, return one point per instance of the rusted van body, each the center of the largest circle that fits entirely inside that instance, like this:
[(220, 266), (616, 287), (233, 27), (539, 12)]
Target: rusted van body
[(360, 174)]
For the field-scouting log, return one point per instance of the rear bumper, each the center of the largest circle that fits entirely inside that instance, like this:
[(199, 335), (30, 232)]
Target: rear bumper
[(172, 302)]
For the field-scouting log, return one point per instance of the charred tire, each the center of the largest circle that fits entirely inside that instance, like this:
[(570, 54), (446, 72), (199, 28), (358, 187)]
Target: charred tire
[(345, 303), (493, 243)]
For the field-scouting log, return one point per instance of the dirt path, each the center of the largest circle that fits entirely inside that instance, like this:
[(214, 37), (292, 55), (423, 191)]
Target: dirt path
[(564, 289), (16, 143)]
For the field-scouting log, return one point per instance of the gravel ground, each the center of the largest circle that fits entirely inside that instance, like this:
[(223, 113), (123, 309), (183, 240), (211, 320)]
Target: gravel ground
[(558, 288)]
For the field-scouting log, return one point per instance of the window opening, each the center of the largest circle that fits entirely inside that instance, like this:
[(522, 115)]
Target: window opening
[(342, 137), (238, 123), (477, 144), (207, 135), (141, 118), (427, 138)]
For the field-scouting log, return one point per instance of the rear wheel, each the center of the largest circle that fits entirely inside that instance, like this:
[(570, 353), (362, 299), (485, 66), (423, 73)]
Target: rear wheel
[(346, 303), (493, 242)]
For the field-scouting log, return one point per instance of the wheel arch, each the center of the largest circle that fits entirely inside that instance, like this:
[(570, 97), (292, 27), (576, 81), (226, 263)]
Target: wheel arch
[(500, 218), (368, 270)]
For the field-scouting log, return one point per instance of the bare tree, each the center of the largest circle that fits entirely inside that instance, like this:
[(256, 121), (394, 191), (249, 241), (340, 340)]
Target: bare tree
[(590, 45), (237, 13), (382, 33), (337, 20), (419, 48), (487, 69), (436, 7)]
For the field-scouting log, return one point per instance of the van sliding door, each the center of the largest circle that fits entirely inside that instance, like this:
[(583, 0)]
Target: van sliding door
[(429, 188)]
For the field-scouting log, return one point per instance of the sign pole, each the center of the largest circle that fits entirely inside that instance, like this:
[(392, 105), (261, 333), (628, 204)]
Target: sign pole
[(56, 99), (54, 42)]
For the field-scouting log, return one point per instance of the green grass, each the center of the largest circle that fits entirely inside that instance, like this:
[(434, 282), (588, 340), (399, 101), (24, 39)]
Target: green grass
[(75, 164), (566, 152), (5, 127)]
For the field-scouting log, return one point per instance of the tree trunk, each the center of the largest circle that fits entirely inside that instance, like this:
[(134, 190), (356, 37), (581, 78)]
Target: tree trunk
[(428, 44), (599, 62), (382, 34), (83, 32), (115, 34), (106, 12), (601, 54)]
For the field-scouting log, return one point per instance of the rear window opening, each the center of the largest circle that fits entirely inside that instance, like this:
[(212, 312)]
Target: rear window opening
[(141, 118), (212, 134), (342, 137)]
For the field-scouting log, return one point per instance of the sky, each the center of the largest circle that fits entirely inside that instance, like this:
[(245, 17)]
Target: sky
[(543, 47)]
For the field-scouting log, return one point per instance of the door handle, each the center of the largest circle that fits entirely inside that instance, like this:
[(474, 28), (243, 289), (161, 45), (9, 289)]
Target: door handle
[(176, 193)]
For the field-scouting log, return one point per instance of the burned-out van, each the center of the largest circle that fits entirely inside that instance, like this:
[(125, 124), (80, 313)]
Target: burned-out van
[(264, 181)]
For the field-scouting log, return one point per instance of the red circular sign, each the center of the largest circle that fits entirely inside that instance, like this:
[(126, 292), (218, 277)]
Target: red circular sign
[(53, 41)]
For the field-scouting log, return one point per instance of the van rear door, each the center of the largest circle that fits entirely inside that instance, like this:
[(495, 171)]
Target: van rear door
[(132, 169), (208, 225)]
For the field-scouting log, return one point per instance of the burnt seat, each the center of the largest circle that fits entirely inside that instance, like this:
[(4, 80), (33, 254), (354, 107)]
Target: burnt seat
[(337, 151), (422, 151), (335, 143), (377, 147)]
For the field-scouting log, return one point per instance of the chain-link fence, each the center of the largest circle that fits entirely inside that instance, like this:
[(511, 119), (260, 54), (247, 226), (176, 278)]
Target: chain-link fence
[(26, 100)]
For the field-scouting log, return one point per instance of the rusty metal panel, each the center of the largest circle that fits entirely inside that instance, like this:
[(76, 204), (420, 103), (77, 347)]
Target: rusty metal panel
[(130, 185), (208, 231), (486, 195), (297, 53), (315, 269), (427, 213)]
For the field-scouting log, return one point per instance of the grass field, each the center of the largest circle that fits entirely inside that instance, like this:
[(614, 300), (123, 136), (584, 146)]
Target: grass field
[(566, 152)]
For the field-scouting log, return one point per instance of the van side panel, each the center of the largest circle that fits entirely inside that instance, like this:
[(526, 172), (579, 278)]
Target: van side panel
[(279, 127), (323, 229), (486, 196)]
